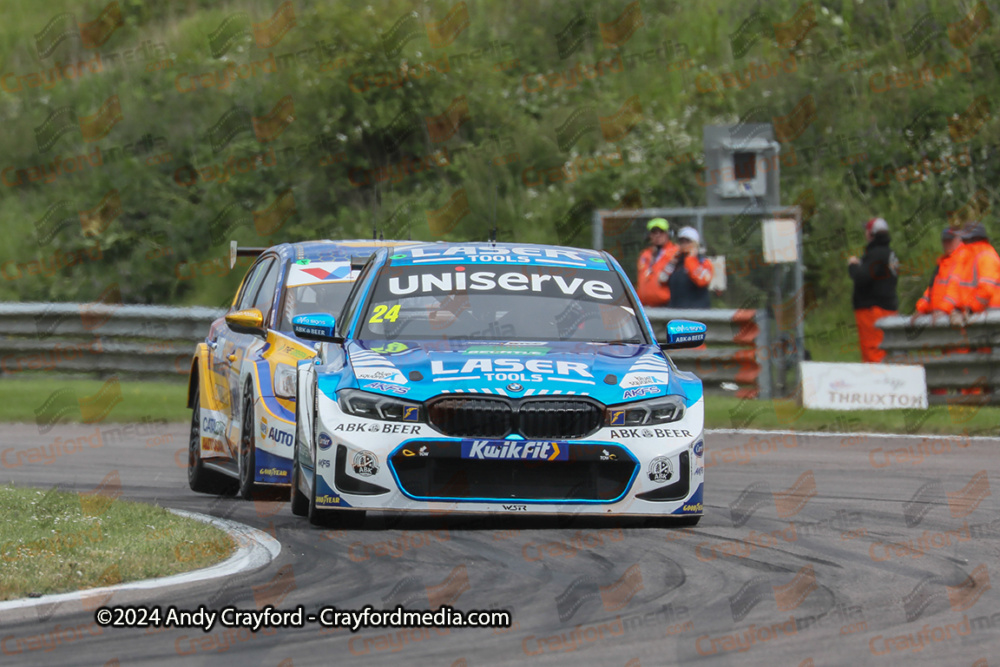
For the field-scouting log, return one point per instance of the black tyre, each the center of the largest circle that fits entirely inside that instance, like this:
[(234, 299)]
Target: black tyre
[(200, 478), (300, 503), (687, 521), (318, 517), (248, 448)]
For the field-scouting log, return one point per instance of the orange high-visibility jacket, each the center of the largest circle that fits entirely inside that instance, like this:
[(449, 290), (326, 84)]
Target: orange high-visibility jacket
[(700, 271), (977, 273), (651, 291), (936, 296)]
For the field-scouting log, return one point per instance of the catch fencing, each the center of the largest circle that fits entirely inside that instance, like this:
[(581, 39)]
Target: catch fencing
[(158, 341), (955, 358)]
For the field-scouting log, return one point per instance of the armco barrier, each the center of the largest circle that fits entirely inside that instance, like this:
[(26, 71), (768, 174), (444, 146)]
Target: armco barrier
[(101, 338), (159, 341), (955, 358), (736, 348)]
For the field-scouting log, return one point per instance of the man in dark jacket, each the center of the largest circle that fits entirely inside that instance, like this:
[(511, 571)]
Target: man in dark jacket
[(690, 272), (875, 276)]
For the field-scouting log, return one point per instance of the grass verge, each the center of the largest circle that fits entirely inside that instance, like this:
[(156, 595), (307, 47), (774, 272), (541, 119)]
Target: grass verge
[(55, 541), (729, 412), (31, 400), (22, 400)]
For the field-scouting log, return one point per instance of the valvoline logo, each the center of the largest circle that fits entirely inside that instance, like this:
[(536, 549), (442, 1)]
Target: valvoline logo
[(324, 442), (521, 450)]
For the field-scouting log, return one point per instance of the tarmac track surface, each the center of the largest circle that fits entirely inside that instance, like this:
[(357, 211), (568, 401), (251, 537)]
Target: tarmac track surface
[(815, 550)]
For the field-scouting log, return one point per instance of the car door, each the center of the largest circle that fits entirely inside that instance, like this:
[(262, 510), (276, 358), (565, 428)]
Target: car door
[(230, 348)]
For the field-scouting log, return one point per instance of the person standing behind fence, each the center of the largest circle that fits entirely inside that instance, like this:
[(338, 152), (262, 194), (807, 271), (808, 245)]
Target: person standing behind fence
[(977, 270), (875, 276), (939, 297), (690, 272), (652, 279)]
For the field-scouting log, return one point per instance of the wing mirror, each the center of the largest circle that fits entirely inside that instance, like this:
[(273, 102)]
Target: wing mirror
[(683, 334), (248, 321), (316, 326)]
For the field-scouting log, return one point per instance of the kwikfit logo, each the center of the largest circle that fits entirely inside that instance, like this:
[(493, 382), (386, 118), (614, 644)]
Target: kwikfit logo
[(500, 450)]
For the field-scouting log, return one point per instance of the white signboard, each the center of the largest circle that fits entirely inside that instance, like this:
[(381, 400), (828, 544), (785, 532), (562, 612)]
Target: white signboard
[(718, 282), (835, 386), (780, 241)]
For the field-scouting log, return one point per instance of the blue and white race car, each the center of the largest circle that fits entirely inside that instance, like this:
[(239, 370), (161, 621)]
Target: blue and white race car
[(495, 378)]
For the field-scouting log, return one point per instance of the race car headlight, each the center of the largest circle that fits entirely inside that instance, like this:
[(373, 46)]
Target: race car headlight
[(375, 406), (642, 413), (284, 381)]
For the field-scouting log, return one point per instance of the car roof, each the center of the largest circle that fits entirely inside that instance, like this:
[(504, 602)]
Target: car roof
[(472, 253), (332, 251)]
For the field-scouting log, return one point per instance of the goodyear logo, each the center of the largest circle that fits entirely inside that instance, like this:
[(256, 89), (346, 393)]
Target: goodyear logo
[(411, 414), (519, 450), (694, 508), (617, 417)]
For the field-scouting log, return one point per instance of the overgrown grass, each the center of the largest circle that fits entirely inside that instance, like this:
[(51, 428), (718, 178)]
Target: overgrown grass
[(28, 400), (55, 541)]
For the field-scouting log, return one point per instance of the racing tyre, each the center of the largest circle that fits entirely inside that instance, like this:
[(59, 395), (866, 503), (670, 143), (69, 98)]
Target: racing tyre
[(300, 503), (200, 478), (334, 518), (670, 521), (248, 445)]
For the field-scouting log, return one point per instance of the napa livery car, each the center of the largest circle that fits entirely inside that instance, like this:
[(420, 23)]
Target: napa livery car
[(496, 378), (242, 385)]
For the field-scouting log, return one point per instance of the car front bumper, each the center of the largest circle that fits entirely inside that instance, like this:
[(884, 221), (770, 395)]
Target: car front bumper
[(379, 465)]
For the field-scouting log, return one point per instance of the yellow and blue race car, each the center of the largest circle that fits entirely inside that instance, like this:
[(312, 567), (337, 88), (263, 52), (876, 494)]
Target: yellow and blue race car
[(242, 386)]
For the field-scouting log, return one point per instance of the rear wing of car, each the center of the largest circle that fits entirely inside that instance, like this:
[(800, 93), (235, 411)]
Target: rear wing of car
[(236, 251)]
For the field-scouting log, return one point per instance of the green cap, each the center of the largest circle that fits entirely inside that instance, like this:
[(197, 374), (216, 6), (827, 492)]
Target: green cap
[(657, 223)]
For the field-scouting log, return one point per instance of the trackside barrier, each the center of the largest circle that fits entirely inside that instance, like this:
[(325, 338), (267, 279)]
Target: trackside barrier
[(101, 338), (941, 349), (159, 341), (736, 348)]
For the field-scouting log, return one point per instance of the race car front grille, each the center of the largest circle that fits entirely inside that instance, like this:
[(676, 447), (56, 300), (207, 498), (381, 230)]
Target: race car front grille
[(482, 417), (599, 473), (467, 416), (558, 419)]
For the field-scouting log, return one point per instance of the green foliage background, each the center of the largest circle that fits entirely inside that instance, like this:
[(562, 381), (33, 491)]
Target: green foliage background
[(160, 248)]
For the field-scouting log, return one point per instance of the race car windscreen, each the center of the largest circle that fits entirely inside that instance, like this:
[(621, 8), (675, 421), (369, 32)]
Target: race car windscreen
[(522, 303), (326, 298)]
